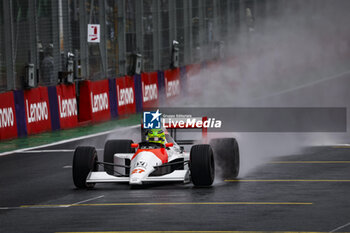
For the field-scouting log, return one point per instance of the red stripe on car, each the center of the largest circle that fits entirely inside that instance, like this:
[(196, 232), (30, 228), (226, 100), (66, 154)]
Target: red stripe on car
[(160, 153)]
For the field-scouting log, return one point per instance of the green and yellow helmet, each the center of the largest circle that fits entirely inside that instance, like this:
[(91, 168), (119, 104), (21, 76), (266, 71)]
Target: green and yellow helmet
[(156, 135)]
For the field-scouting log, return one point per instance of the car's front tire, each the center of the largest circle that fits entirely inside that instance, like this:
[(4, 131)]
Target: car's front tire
[(84, 161), (202, 165), (115, 146)]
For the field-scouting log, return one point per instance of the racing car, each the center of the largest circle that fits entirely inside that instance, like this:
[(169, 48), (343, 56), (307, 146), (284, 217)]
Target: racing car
[(159, 157)]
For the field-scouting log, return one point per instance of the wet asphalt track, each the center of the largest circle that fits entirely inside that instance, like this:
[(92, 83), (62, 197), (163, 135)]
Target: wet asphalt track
[(37, 195)]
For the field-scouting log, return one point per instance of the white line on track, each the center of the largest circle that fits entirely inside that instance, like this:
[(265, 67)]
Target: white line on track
[(46, 206), (91, 199), (341, 227), (64, 206), (50, 151), (67, 140)]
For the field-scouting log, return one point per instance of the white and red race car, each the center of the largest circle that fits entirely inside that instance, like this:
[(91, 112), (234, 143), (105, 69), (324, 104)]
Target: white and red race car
[(145, 162)]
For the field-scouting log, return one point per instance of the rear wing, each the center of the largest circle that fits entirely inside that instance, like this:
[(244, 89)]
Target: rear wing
[(173, 124)]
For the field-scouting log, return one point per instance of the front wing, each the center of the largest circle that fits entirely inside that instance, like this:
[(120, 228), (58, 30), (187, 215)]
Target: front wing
[(103, 177)]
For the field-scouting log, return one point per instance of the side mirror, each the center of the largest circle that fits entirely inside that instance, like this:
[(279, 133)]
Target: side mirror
[(169, 144), (182, 149), (134, 145)]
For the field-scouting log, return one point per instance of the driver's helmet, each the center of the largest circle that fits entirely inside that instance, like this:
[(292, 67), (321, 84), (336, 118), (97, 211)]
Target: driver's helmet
[(156, 135)]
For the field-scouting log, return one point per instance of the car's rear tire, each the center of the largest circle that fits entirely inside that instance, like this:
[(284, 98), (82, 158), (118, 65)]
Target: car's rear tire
[(226, 152), (115, 146), (202, 165), (84, 161)]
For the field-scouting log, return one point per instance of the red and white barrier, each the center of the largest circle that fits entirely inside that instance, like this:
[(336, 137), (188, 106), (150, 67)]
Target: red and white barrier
[(126, 100), (67, 106), (8, 124), (37, 110), (150, 89), (94, 101), (172, 83)]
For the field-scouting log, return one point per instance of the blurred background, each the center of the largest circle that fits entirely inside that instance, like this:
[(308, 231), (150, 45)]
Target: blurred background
[(42, 33)]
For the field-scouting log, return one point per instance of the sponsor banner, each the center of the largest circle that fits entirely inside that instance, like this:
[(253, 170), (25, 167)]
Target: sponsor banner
[(37, 110), (8, 124), (126, 95), (193, 70), (20, 113), (67, 106), (172, 83), (150, 89), (94, 101)]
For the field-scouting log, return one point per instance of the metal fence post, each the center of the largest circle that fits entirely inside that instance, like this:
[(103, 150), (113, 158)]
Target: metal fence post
[(84, 59), (156, 35), (172, 21), (56, 39), (121, 37), (33, 40), (188, 21), (216, 24), (102, 44), (187, 48), (202, 32), (8, 29), (139, 26)]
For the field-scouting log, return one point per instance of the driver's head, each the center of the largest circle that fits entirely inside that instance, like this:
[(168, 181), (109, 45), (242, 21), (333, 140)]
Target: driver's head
[(156, 135)]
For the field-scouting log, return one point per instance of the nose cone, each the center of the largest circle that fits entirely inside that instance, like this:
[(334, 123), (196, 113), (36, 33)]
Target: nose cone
[(136, 179), (142, 165)]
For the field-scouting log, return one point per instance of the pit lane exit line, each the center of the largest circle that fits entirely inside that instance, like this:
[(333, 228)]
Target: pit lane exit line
[(166, 203), (287, 180), (192, 232)]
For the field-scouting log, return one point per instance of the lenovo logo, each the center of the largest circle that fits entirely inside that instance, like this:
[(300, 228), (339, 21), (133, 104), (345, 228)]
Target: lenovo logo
[(99, 102), (149, 92), (6, 117), (125, 96), (67, 107), (172, 88), (37, 112)]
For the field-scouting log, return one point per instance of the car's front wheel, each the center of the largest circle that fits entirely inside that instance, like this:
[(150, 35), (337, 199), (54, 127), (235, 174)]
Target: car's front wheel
[(84, 161), (115, 146), (202, 165)]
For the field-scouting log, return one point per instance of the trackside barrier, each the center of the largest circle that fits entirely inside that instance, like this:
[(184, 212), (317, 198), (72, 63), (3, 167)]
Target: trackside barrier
[(172, 83), (94, 102), (55, 121), (67, 106), (192, 70), (26, 112), (150, 90), (37, 110), (113, 98), (126, 95), (138, 92), (20, 113), (8, 123), (161, 87)]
